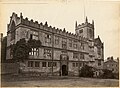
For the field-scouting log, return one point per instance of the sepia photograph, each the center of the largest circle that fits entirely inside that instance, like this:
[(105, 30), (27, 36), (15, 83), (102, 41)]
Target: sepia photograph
[(59, 43)]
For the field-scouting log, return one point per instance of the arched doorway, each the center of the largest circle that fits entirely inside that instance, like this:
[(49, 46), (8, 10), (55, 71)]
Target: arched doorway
[(64, 70)]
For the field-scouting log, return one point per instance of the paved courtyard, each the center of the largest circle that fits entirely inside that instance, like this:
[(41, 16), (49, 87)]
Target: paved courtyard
[(58, 82)]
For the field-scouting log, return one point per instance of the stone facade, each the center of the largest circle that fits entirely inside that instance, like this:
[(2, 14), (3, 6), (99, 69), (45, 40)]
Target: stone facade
[(62, 52), (112, 65)]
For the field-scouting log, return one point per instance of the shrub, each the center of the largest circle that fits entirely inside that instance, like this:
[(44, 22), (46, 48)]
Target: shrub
[(108, 74), (86, 71)]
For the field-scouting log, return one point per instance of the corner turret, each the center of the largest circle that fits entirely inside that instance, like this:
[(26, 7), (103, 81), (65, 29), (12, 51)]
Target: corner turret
[(76, 25), (92, 22), (86, 20)]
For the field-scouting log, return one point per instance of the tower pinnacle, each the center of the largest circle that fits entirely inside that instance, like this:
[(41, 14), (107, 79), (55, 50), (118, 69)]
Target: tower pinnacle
[(93, 22), (21, 15), (86, 20), (76, 25)]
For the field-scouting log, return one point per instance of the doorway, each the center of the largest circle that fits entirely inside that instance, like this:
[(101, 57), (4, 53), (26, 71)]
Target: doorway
[(64, 70)]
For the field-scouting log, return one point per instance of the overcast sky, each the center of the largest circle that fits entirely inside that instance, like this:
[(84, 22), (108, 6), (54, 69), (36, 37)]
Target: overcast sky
[(64, 13)]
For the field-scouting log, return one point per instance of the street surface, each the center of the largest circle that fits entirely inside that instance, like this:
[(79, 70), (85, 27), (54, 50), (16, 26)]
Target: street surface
[(58, 82)]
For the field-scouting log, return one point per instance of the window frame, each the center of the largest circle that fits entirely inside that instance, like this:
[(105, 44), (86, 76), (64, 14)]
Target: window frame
[(44, 64), (37, 64), (30, 64)]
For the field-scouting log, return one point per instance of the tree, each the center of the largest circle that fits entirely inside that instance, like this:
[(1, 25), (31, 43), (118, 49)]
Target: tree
[(34, 43), (86, 71), (21, 49), (3, 49), (107, 74)]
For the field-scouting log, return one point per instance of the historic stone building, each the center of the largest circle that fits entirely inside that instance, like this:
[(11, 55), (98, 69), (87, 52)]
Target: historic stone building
[(62, 52), (112, 65)]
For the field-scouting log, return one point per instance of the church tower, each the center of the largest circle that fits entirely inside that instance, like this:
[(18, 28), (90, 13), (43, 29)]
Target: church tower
[(85, 29)]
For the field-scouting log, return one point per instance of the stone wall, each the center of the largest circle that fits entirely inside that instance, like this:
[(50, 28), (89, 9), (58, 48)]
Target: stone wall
[(9, 68)]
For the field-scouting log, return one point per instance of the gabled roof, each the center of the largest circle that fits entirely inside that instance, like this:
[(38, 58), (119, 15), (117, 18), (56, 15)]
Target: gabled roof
[(112, 61), (98, 41)]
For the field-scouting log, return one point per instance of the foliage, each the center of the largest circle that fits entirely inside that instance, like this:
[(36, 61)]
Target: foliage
[(108, 74), (86, 71), (21, 49), (34, 43), (3, 49)]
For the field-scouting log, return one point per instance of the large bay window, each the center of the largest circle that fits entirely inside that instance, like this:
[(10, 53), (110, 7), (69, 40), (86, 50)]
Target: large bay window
[(34, 52)]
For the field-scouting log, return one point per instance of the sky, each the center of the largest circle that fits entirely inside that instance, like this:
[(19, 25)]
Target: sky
[(64, 13)]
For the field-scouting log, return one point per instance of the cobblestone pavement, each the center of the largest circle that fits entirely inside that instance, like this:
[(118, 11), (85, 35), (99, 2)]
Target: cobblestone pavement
[(9, 81)]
